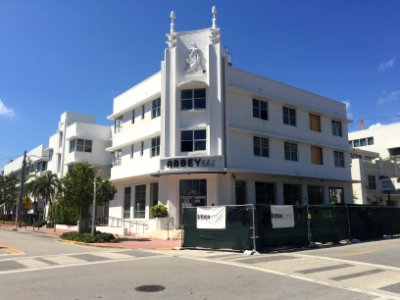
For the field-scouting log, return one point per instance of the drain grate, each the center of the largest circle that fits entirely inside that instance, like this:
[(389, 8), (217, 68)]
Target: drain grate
[(150, 288)]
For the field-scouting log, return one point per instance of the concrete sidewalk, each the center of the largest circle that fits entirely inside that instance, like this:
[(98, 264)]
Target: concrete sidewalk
[(129, 242)]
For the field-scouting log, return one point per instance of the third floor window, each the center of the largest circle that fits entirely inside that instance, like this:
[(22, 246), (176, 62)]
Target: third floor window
[(260, 109), (156, 108), (289, 116), (193, 99)]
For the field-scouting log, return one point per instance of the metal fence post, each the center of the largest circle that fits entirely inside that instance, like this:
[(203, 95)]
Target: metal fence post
[(348, 222), (254, 228)]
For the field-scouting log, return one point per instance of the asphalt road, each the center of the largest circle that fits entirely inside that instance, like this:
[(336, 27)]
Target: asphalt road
[(45, 268)]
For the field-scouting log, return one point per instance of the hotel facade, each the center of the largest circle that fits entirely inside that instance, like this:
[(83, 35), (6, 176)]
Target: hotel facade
[(202, 132)]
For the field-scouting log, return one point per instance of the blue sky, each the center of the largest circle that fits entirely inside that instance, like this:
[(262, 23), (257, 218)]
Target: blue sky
[(76, 55)]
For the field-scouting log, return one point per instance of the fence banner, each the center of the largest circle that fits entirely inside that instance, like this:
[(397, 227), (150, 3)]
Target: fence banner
[(282, 216), (211, 218)]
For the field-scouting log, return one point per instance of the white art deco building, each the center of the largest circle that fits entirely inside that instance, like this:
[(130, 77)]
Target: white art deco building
[(203, 132)]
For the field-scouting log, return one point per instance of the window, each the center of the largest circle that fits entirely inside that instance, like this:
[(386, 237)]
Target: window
[(140, 201), (338, 158), (117, 158), (260, 146), (51, 152), (240, 192), (289, 116), (133, 116), (315, 122), (118, 124), (260, 109), (291, 151), (336, 195), (153, 193), (337, 128), (80, 145), (292, 194), (193, 192), (265, 193), (361, 142), (155, 146), (143, 111), (127, 202), (371, 182), (141, 148), (316, 155), (394, 151), (193, 140), (315, 194), (193, 99), (156, 108), (71, 167), (132, 150)]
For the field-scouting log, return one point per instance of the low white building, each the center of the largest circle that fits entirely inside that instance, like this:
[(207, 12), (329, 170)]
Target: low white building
[(384, 139), (78, 139), (37, 159), (375, 180), (203, 132)]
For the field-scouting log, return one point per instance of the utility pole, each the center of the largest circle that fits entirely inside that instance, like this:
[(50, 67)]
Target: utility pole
[(94, 206), (21, 193)]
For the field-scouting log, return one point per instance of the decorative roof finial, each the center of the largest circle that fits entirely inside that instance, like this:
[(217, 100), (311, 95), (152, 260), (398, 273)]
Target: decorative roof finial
[(214, 19), (172, 25)]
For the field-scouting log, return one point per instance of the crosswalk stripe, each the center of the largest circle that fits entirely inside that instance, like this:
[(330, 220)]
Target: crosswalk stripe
[(32, 263)]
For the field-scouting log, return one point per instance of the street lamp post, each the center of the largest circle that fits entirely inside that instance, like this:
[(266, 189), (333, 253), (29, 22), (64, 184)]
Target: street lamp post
[(94, 206), (21, 192)]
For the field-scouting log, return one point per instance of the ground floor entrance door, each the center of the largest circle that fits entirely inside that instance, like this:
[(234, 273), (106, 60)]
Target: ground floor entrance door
[(192, 192)]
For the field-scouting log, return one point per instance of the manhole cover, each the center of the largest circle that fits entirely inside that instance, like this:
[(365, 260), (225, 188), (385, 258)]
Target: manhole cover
[(150, 288)]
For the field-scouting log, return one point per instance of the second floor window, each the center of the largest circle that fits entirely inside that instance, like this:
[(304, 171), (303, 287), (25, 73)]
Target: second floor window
[(80, 145), (337, 128), (291, 151), (118, 124), (338, 157), (117, 155), (316, 155), (260, 146), (371, 182), (156, 108), (193, 140), (260, 109), (155, 146), (193, 99), (289, 116)]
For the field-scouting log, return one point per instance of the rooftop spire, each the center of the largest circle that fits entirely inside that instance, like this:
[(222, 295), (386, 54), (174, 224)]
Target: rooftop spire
[(214, 19), (172, 24)]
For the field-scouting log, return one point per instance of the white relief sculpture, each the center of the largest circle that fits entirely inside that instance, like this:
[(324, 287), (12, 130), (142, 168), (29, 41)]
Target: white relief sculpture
[(193, 61)]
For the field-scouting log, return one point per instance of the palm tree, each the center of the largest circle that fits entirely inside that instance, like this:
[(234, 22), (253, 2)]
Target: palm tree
[(45, 187)]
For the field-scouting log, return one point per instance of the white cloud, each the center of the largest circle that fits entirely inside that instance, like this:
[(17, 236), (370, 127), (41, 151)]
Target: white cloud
[(387, 65), (375, 125), (389, 97), (5, 111), (349, 113)]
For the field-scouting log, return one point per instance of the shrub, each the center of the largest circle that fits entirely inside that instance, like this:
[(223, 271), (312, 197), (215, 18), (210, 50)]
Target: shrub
[(158, 211), (63, 214), (99, 237)]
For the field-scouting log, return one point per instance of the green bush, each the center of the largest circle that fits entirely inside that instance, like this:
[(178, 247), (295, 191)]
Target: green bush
[(63, 214), (99, 237), (158, 211)]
